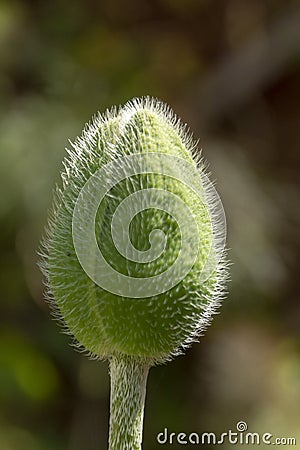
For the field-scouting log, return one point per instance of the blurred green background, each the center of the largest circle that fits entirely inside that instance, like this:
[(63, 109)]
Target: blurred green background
[(229, 68)]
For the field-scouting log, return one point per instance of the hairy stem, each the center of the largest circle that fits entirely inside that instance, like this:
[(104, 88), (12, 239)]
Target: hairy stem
[(127, 399)]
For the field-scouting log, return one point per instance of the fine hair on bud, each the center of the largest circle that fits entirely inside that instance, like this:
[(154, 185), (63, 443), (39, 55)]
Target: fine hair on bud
[(134, 322)]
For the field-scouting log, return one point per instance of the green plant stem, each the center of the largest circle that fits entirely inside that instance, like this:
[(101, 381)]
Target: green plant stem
[(127, 399)]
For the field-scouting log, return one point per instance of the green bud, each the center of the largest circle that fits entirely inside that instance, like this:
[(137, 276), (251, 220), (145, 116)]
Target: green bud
[(134, 253), (136, 323)]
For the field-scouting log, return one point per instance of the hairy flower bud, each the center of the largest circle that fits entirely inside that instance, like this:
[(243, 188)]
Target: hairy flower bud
[(134, 250)]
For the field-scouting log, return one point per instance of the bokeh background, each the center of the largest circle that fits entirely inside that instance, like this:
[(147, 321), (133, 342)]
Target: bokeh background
[(231, 69)]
